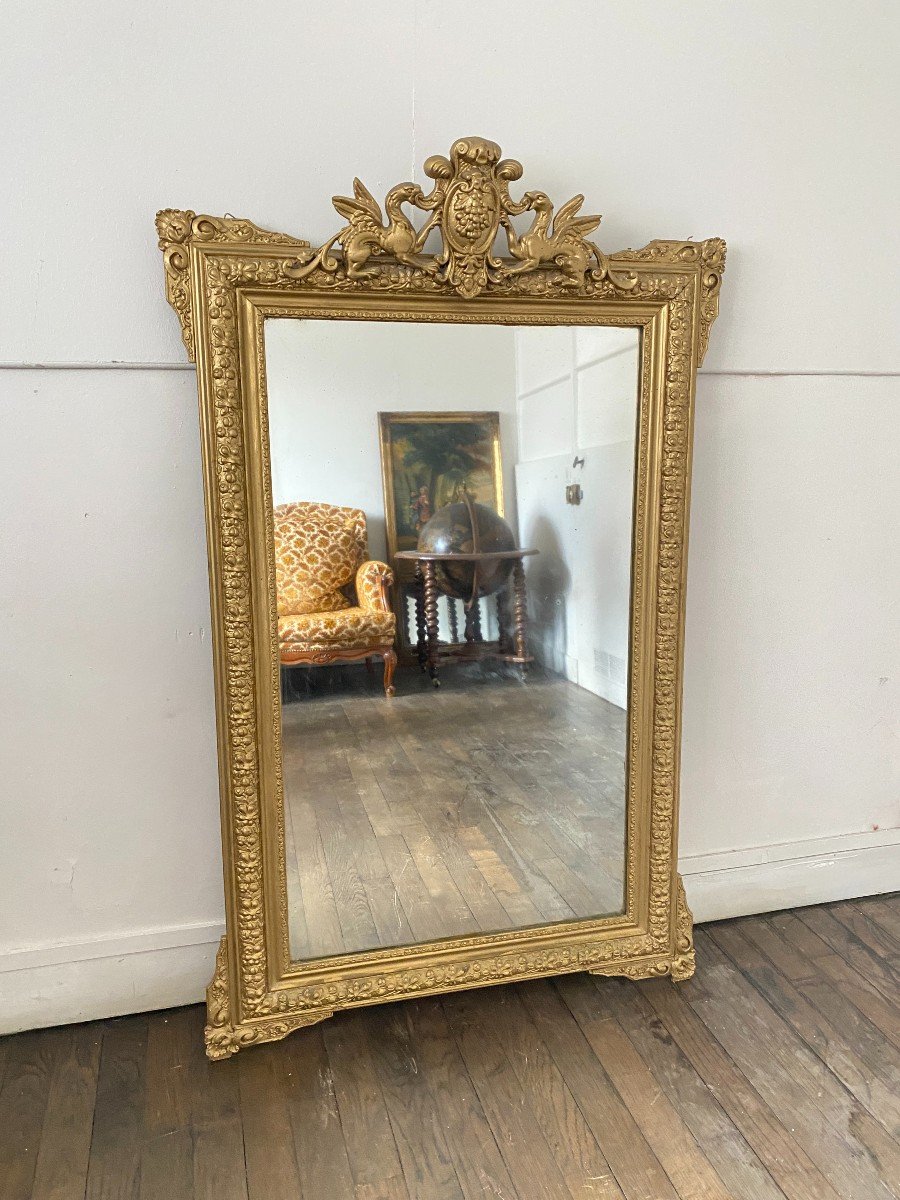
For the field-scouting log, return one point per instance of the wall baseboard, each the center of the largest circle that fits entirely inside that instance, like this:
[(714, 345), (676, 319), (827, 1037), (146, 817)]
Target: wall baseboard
[(162, 968), (106, 977), (791, 874)]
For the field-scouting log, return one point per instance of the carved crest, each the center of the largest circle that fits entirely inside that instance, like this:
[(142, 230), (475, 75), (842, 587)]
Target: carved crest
[(470, 195), (469, 209), (467, 206)]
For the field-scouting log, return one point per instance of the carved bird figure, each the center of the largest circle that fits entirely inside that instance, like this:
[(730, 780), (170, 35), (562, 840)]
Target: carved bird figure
[(368, 234), (565, 245)]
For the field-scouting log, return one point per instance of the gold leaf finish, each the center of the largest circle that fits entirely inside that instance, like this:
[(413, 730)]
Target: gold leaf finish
[(224, 277), (684, 962)]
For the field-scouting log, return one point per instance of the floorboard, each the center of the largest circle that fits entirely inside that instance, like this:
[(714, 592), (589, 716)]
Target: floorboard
[(31, 1061), (488, 805), (62, 1163), (772, 1075)]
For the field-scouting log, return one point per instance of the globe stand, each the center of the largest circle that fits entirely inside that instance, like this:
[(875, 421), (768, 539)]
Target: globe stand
[(511, 646)]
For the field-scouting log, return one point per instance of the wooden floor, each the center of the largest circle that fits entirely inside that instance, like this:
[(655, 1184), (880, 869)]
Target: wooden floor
[(774, 1073), (489, 804)]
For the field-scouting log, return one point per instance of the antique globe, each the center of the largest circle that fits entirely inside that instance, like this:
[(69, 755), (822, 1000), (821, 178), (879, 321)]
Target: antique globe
[(463, 528)]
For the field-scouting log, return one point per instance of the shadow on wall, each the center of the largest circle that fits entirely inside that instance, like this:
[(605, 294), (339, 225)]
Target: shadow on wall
[(549, 583), (377, 536)]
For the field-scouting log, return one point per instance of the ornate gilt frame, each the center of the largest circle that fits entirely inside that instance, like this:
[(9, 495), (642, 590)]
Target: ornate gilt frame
[(224, 276)]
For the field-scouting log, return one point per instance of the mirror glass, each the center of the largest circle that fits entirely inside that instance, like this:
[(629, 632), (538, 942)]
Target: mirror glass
[(458, 498)]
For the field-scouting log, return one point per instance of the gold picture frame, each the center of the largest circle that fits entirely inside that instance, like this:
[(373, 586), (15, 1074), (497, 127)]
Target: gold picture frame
[(397, 537), (224, 277), (490, 493)]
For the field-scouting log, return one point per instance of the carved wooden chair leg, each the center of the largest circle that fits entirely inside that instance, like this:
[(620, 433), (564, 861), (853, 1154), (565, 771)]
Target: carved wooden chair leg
[(390, 662)]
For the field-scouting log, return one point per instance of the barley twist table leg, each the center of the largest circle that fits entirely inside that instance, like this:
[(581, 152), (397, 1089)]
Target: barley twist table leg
[(431, 619), (454, 620), (520, 614), (469, 635), (419, 596), (502, 628), (476, 621)]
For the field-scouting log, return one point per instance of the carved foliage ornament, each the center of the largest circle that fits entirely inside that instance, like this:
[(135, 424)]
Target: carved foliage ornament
[(468, 204)]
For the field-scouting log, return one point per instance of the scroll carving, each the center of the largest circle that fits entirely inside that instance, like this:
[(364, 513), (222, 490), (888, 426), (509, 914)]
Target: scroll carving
[(177, 229), (684, 962), (467, 206), (222, 1037), (679, 965)]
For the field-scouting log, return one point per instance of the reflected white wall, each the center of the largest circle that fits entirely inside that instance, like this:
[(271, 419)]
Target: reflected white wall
[(327, 381), (577, 400)]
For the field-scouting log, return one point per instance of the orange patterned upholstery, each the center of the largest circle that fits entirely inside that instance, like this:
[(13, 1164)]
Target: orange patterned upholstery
[(351, 628), (317, 551), (371, 580), (332, 600)]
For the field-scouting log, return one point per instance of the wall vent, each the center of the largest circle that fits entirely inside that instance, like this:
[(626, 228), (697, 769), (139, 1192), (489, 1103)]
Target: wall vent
[(610, 666)]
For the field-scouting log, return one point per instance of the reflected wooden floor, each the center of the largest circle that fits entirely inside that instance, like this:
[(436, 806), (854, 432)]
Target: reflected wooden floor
[(488, 804), (773, 1075)]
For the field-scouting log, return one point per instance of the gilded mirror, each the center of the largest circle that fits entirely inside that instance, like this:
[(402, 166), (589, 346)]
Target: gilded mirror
[(447, 460)]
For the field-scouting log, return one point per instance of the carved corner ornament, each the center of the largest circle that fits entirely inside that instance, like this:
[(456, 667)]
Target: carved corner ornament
[(679, 966), (178, 229), (222, 1037), (684, 963), (467, 207)]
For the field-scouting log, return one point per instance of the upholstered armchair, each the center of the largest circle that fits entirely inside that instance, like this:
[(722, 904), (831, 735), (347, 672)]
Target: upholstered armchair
[(333, 601)]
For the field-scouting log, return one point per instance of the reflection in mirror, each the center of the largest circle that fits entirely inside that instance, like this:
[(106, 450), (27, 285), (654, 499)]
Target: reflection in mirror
[(453, 527)]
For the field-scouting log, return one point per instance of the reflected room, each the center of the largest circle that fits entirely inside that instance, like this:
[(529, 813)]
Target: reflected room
[(452, 520)]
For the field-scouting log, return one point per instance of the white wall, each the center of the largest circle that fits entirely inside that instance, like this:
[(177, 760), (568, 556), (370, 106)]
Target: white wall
[(109, 868), (791, 758), (768, 123)]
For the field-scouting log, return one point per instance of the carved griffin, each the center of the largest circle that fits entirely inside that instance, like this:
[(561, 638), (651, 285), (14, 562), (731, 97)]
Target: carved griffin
[(367, 233), (565, 245)]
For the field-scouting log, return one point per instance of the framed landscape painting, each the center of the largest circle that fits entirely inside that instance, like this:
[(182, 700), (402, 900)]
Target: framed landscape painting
[(428, 459)]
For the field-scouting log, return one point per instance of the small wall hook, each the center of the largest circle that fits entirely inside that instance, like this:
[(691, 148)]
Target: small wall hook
[(579, 462)]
